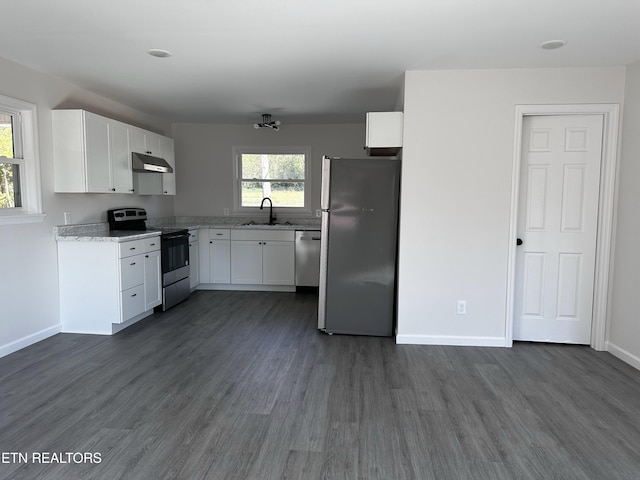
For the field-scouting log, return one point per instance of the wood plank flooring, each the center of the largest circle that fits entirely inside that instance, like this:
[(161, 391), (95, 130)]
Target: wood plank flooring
[(241, 385)]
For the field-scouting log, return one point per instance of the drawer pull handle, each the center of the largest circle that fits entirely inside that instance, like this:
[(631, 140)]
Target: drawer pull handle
[(132, 248), (134, 294), (132, 263)]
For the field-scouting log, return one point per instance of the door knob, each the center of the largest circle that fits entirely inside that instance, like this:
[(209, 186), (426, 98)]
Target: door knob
[(519, 241)]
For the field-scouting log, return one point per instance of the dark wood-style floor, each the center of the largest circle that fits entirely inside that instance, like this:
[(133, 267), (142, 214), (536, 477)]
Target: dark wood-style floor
[(237, 385)]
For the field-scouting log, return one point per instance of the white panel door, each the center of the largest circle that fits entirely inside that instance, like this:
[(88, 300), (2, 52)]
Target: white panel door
[(557, 223)]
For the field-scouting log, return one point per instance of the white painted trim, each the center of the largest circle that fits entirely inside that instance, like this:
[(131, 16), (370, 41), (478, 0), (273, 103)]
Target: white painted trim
[(623, 355), (21, 219), (606, 208), (31, 212), (29, 340), (450, 340)]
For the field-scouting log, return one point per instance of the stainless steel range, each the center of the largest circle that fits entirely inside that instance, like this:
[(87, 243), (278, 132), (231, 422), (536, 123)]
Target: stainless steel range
[(174, 249)]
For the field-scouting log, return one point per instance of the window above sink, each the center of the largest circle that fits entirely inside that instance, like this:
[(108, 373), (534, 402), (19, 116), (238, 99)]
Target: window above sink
[(282, 174)]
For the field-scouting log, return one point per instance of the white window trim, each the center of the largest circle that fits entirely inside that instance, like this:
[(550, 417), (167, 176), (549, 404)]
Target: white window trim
[(238, 209), (31, 210)]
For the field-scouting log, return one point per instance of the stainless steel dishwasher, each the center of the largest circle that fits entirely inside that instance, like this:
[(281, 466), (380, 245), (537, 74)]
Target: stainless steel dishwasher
[(307, 258)]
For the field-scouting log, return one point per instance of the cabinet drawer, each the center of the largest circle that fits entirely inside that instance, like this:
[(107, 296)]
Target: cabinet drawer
[(132, 302), (152, 244), (131, 271), (193, 235), (134, 247), (219, 234)]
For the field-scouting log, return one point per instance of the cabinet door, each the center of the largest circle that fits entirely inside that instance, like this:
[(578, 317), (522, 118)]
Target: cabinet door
[(96, 131), (168, 179), (219, 261), (120, 157), (246, 262), (152, 284), (384, 129), (194, 263), (152, 144), (278, 263), (137, 139)]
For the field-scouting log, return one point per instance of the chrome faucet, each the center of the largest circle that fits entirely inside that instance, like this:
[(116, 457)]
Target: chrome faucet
[(272, 217)]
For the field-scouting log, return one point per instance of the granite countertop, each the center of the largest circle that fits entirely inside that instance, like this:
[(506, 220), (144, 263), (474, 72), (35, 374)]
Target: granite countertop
[(106, 236), (99, 232), (250, 226)]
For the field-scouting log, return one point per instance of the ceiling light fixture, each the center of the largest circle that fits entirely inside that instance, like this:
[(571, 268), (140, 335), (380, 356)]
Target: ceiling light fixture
[(553, 44), (156, 52), (268, 123)]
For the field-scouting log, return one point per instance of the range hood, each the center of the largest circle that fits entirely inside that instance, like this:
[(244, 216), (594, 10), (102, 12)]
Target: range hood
[(141, 162)]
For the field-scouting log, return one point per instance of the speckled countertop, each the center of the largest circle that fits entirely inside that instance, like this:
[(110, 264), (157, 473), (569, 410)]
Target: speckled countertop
[(99, 232)]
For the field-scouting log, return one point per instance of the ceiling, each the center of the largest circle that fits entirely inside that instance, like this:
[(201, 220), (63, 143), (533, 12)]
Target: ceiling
[(300, 60)]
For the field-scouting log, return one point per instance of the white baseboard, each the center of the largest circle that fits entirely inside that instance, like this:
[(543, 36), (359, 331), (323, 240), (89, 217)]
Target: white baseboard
[(246, 288), (623, 355), (29, 340), (450, 340)]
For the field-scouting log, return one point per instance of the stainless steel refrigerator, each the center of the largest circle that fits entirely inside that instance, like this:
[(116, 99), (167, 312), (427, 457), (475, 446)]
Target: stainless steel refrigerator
[(360, 199)]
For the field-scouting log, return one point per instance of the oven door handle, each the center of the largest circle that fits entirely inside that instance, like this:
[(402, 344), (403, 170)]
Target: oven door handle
[(172, 237)]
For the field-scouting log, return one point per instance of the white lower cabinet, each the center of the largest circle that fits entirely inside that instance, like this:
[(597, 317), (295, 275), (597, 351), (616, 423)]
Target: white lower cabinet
[(220, 261), (260, 257), (278, 263), (246, 262), (238, 259), (215, 256), (105, 286)]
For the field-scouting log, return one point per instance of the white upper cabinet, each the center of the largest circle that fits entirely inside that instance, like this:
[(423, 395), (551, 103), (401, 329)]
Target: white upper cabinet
[(120, 157), (168, 179), (384, 132), (149, 143), (91, 153), (143, 141)]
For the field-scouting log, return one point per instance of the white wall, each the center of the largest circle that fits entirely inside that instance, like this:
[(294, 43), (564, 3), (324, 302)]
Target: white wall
[(28, 269), (456, 187), (624, 328), (205, 179)]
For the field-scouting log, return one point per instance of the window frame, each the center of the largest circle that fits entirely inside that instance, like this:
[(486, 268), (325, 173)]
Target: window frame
[(237, 153), (26, 153)]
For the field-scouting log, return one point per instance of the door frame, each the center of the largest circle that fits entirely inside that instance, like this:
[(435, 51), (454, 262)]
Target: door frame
[(606, 210)]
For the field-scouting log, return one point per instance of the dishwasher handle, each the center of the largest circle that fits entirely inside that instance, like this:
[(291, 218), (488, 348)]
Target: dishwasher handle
[(309, 237)]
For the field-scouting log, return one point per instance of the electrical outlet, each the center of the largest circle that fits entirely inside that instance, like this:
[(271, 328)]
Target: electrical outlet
[(318, 213), (67, 218), (226, 212), (461, 307)]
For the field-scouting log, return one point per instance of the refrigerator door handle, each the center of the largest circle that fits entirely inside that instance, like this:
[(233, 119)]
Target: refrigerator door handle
[(322, 285), (326, 177)]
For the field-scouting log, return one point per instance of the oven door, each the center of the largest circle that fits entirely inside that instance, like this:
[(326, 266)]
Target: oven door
[(175, 257)]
